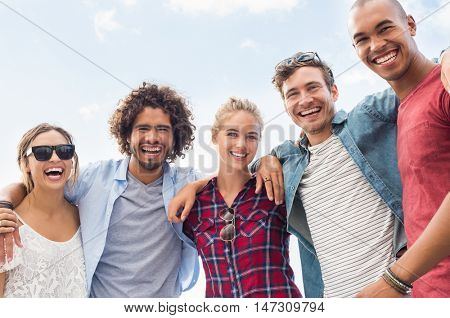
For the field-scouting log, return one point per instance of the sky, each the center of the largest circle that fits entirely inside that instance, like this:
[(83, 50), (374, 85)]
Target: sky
[(70, 62)]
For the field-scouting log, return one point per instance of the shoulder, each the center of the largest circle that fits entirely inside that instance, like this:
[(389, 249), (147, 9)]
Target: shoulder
[(101, 168), (381, 106), (286, 148), (104, 165)]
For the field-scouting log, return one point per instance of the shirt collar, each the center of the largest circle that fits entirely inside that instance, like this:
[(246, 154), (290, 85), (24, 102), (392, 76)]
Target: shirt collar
[(121, 172), (339, 118)]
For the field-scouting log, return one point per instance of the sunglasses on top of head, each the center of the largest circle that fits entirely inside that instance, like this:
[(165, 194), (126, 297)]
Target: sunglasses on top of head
[(301, 58), (44, 153)]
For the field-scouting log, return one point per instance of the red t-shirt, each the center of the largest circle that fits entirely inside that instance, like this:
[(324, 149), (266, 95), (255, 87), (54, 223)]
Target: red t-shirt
[(423, 145)]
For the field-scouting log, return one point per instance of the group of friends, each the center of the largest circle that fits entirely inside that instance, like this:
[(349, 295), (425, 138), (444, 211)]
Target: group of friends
[(366, 193)]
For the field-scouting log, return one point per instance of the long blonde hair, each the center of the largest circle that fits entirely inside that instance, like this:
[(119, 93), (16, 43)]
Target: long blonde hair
[(24, 145)]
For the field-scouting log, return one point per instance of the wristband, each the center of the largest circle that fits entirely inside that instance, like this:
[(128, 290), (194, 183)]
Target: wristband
[(6, 205), (399, 285)]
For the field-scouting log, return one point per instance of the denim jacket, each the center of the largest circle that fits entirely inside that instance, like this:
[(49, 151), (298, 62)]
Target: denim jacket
[(98, 187), (369, 133)]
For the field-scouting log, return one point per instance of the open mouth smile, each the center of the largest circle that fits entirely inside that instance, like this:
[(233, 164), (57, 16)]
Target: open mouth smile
[(238, 155), (151, 150), (54, 173), (309, 112), (385, 59)]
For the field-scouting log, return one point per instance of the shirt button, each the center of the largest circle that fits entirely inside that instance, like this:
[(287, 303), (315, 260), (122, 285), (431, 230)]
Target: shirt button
[(292, 188)]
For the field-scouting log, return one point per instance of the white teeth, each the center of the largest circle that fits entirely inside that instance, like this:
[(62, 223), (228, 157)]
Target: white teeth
[(54, 170), (386, 59), (310, 111), (151, 149), (239, 155)]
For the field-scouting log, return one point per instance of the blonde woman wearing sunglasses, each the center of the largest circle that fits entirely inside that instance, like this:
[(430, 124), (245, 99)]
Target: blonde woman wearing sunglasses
[(50, 262)]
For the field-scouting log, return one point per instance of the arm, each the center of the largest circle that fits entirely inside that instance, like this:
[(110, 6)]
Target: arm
[(185, 199), (9, 234), (445, 69), (2, 284), (431, 248), (14, 193)]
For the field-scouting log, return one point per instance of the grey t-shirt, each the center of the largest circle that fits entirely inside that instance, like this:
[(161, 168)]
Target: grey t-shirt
[(142, 254)]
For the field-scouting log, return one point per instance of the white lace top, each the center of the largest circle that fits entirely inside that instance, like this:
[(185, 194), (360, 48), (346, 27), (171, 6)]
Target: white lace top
[(44, 268)]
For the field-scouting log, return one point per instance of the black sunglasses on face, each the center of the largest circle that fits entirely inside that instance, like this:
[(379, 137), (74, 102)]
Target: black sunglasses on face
[(301, 58), (44, 153)]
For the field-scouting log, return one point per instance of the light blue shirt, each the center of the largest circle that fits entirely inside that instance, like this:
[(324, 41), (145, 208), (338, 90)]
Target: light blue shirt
[(98, 187)]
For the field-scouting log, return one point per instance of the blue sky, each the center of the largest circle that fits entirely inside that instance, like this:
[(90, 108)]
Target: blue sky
[(208, 50)]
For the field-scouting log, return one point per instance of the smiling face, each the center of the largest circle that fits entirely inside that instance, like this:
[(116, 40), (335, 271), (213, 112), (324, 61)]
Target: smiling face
[(151, 139), (51, 174), (237, 141), (382, 36), (309, 102)]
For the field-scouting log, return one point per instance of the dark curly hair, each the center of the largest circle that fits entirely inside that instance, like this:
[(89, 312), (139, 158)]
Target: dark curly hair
[(151, 95)]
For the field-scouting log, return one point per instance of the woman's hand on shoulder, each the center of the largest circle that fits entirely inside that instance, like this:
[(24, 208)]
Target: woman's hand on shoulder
[(270, 174)]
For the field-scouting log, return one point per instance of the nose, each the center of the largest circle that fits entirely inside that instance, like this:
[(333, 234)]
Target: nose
[(241, 142), (54, 156), (305, 100), (376, 43), (151, 136)]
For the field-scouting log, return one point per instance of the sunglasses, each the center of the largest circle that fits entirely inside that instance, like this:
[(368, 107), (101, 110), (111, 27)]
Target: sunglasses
[(44, 153), (301, 58), (228, 232)]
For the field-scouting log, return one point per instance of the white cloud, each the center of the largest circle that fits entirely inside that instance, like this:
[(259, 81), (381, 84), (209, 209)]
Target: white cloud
[(249, 44), (104, 21), (129, 3), (88, 112), (227, 7)]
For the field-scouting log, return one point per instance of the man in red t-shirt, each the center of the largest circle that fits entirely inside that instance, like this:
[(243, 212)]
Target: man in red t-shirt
[(382, 35)]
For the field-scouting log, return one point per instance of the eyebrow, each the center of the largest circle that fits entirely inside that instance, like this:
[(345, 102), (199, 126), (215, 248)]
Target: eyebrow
[(306, 85), (379, 25), (236, 130), (150, 126)]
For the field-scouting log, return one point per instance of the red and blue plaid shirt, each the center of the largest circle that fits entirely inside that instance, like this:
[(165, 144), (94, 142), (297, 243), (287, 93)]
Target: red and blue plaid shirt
[(256, 263)]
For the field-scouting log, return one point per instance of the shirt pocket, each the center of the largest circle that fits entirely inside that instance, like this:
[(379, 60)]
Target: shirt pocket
[(205, 232), (254, 223), (421, 146)]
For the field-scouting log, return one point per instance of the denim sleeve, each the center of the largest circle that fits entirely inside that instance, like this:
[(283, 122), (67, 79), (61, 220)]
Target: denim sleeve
[(197, 175), (382, 106), (73, 192)]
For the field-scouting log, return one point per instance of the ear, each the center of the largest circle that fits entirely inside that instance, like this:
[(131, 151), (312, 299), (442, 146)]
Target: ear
[(412, 27), (334, 92)]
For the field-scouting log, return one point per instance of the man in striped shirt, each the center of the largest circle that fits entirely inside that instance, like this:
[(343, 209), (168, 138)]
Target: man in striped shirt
[(341, 182), (343, 192)]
